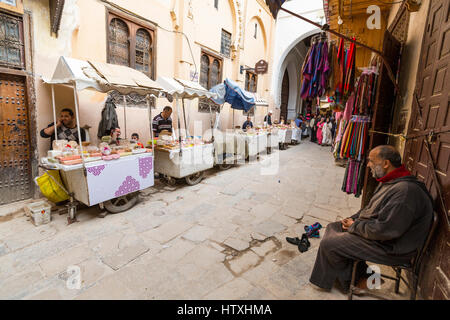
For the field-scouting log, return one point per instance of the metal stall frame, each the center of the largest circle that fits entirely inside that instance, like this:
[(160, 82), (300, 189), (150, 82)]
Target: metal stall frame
[(99, 77)]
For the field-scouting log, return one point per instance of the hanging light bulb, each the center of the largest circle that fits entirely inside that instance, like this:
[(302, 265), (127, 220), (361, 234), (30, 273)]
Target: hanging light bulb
[(340, 21)]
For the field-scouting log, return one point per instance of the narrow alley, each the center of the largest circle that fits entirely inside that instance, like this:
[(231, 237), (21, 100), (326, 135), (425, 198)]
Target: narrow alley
[(221, 239)]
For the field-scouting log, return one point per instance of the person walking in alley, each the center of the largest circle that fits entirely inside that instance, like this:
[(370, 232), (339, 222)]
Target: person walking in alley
[(319, 130), (312, 126), (389, 230), (326, 133)]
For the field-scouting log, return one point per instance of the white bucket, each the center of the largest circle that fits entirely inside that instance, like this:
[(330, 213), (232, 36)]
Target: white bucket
[(39, 211)]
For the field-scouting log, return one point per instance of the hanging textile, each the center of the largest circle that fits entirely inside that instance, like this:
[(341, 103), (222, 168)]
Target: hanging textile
[(334, 73), (350, 69), (354, 177), (352, 144), (340, 127), (343, 70), (315, 71), (109, 119)]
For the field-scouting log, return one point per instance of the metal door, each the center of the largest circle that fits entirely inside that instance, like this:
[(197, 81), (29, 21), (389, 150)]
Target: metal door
[(433, 87), (15, 166)]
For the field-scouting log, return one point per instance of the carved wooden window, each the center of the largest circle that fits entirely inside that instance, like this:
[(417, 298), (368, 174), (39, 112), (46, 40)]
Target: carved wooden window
[(119, 45), (210, 75), (143, 51), (204, 71), (11, 42), (251, 81), (226, 43), (131, 45)]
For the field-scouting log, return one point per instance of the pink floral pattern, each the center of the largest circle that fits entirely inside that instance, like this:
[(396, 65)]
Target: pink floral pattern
[(128, 186), (145, 166), (96, 171)]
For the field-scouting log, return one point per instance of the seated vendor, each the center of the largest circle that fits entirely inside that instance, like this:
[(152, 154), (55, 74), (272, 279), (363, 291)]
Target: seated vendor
[(162, 121), (135, 139), (115, 136), (268, 118), (66, 128), (247, 124), (388, 230)]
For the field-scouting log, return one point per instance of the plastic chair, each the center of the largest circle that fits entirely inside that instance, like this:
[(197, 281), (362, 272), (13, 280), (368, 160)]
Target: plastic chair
[(413, 268)]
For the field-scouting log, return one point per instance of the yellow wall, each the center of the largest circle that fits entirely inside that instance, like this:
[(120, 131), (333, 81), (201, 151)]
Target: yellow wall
[(83, 36)]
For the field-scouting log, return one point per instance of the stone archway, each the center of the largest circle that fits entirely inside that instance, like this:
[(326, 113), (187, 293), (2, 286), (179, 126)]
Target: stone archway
[(283, 62)]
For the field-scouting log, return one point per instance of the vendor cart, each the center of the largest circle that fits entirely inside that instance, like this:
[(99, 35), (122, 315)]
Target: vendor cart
[(239, 145), (112, 184), (189, 163), (229, 149), (255, 144), (296, 135), (273, 141)]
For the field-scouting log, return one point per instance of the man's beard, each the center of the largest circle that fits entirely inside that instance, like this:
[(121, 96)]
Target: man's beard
[(378, 172), (69, 124)]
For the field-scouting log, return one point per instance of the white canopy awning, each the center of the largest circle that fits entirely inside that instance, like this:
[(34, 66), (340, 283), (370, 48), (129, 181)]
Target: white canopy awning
[(103, 77), (260, 101), (184, 88)]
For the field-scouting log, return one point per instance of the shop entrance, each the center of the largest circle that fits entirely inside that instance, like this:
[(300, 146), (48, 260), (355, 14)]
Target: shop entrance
[(15, 164), (284, 96), (433, 86)]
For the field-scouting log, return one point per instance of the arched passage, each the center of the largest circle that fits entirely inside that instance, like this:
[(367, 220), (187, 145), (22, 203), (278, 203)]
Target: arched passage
[(291, 60)]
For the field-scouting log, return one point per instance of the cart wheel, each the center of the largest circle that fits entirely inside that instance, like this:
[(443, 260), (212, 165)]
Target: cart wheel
[(121, 204), (171, 181), (225, 166), (194, 179)]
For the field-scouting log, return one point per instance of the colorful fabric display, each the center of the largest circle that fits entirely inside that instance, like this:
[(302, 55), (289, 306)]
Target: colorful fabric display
[(315, 71), (354, 177), (352, 144)]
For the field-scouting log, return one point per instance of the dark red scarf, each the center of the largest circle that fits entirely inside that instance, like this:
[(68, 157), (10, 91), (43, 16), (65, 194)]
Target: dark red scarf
[(397, 173)]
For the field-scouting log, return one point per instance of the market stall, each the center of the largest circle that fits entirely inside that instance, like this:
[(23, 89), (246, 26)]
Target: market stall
[(183, 157), (105, 175), (250, 143), (296, 135)]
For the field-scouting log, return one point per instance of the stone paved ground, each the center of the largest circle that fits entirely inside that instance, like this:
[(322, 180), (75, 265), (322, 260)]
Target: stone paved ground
[(221, 239)]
